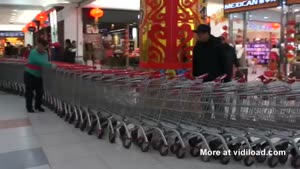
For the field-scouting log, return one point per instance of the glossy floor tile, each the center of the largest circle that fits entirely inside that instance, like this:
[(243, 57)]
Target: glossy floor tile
[(23, 159)]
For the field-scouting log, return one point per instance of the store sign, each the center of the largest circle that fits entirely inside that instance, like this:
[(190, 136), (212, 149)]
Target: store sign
[(231, 6), (11, 34), (290, 2)]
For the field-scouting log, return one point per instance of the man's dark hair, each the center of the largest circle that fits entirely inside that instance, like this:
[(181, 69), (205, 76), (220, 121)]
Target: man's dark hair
[(42, 42), (274, 46), (68, 41)]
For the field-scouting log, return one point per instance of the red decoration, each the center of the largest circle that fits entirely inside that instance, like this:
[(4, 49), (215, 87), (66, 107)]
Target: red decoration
[(290, 39), (225, 28), (225, 34), (290, 47), (291, 23), (25, 29), (96, 13), (42, 17), (275, 25), (162, 26), (289, 55), (291, 31), (31, 27), (208, 20)]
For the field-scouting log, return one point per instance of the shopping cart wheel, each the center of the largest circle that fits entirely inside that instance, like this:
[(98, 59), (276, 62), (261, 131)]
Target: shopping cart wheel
[(145, 146), (237, 147), (295, 162), (134, 136), (174, 147), (273, 162), (180, 153), (126, 142), (112, 137), (140, 141), (83, 125), (283, 158), (224, 159), (99, 133), (249, 161), (195, 151), (205, 158), (156, 144), (71, 119), (91, 128), (164, 150), (77, 123), (66, 117), (122, 131)]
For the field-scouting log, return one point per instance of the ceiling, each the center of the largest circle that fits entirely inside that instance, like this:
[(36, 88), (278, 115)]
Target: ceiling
[(21, 12)]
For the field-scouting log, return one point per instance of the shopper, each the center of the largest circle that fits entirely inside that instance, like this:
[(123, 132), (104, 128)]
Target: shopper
[(38, 58), (8, 50), (209, 56), (231, 53), (69, 55), (274, 53)]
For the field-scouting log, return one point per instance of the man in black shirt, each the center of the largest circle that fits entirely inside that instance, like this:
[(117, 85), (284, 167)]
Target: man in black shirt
[(209, 56)]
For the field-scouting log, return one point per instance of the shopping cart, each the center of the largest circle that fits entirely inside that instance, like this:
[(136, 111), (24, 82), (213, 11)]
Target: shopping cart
[(178, 114)]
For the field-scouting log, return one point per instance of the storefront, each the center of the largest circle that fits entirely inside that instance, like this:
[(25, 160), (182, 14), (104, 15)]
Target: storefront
[(16, 39), (111, 38), (258, 27)]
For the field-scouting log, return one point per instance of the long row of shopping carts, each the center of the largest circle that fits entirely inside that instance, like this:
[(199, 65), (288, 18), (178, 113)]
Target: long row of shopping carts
[(177, 114)]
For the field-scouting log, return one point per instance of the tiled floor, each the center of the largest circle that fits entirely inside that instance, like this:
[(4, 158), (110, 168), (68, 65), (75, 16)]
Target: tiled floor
[(50, 143)]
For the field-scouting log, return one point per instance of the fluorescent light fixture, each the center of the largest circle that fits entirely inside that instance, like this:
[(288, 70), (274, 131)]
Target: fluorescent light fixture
[(117, 4), (13, 14), (296, 10), (27, 16), (15, 10), (235, 16), (250, 16), (266, 17), (279, 7)]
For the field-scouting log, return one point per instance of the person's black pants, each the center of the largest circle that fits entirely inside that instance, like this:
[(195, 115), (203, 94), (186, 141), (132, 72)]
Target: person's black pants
[(33, 85)]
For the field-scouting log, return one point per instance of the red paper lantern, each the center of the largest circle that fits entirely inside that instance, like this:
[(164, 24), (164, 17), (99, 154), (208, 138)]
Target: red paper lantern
[(42, 17), (225, 28), (275, 25), (24, 30), (96, 13), (31, 27)]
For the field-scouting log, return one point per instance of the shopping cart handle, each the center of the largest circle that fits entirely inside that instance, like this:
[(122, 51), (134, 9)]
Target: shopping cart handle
[(202, 76)]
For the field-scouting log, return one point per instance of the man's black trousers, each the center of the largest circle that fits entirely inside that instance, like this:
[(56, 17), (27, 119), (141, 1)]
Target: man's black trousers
[(33, 85)]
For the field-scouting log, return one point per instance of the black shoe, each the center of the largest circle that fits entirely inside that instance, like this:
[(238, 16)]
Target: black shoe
[(40, 109), (30, 111)]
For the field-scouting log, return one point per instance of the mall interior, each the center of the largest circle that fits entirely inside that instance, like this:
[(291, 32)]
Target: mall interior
[(123, 103)]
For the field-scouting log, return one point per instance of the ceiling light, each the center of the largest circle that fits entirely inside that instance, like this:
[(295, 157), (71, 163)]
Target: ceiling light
[(15, 10), (279, 7), (250, 16), (296, 10), (13, 14), (235, 16), (266, 17)]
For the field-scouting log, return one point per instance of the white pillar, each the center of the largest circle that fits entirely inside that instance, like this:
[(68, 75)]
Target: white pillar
[(73, 27), (28, 37)]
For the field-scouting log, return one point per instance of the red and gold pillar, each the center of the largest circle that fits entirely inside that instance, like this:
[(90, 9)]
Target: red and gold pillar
[(166, 33)]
